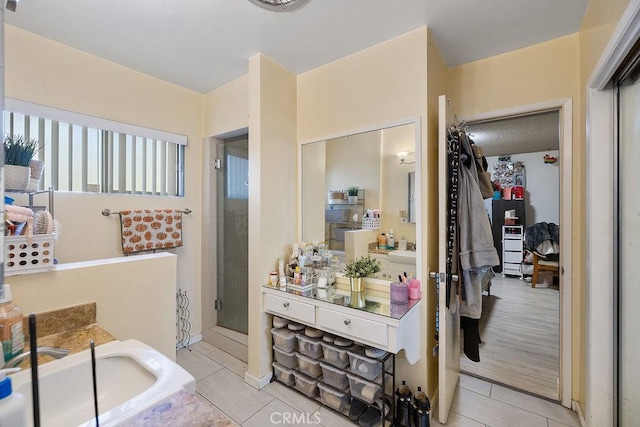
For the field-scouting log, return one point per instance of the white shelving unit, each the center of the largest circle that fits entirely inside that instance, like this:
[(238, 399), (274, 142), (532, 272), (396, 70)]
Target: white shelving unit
[(512, 246)]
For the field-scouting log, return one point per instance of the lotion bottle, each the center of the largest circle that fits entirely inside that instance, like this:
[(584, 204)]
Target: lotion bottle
[(11, 333), (13, 410), (391, 242)]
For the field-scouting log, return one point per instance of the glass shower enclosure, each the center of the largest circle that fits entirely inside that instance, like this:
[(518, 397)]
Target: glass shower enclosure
[(232, 193)]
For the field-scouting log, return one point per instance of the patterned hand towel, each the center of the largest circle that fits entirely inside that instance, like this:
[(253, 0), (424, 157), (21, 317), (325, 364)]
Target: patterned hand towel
[(150, 229)]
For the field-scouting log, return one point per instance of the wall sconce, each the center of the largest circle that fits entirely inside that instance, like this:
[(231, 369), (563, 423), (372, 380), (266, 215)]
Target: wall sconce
[(402, 156)]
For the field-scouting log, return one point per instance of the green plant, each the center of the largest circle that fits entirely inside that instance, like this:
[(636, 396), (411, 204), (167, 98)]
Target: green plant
[(18, 150), (353, 191), (364, 266)]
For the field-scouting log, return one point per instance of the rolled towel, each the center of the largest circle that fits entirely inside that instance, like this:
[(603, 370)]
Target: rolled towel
[(20, 214)]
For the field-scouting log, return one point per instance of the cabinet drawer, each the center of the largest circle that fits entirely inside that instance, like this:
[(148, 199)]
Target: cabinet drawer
[(515, 257), (512, 245), (290, 309), (513, 269), (353, 327)]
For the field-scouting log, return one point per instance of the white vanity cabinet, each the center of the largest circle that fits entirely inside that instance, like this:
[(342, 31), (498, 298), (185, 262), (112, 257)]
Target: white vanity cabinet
[(394, 329)]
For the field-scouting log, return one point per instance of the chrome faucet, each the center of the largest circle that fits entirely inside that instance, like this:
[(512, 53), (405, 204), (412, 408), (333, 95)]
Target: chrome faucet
[(57, 353)]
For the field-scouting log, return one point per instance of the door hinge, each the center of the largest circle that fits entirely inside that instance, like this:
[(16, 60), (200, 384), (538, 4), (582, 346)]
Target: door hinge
[(217, 305), (217, 164)]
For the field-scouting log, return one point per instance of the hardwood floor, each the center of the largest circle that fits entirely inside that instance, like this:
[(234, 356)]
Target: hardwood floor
[(520, 332)]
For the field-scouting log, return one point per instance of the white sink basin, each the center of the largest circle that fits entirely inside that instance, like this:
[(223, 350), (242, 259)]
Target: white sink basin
[(131, 377), (403, 257)]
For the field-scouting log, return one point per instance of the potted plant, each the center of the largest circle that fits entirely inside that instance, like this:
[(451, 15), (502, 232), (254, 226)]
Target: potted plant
[(357, 269), (18, 152), (352, 192)]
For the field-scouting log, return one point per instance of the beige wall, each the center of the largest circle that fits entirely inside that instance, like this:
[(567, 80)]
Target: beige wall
[(600, 20), (272, 190), (122, 293), (226, 109), (75, 81), (375, 87)]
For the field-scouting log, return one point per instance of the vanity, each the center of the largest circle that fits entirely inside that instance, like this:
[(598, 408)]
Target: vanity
[(377, 323), (366, 318)]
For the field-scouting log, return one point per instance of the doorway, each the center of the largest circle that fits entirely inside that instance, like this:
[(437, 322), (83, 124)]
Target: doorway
[(225, 297), (552, 302)]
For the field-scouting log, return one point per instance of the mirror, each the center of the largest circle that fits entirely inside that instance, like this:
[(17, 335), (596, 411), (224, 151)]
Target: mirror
[(365, 160)]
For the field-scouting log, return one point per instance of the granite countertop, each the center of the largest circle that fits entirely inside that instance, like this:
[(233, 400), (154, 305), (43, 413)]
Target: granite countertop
[(72, 328), (74, 340)]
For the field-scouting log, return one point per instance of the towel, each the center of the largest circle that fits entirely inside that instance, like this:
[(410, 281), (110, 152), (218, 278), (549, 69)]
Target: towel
[(150, 229)]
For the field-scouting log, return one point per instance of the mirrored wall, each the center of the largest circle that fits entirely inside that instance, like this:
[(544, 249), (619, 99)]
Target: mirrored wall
[(370, 162)]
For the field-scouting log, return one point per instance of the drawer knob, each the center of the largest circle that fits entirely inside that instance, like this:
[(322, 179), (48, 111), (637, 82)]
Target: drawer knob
[(285, 304), (347, 322)]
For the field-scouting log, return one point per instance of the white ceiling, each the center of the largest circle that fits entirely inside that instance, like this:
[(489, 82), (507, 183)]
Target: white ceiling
[(203, 44), (525, 134)]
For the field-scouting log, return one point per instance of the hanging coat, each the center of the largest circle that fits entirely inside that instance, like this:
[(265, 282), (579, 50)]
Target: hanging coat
[(477, 252)]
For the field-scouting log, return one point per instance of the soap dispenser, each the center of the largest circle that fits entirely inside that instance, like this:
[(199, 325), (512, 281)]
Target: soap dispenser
[(391, 243), (13, 410)]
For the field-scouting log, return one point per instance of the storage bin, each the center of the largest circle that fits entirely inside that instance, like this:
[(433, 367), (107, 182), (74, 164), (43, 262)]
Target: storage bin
[(22, 256), (280, 322), (308, 366), (362, 389), (283, 374), (284, 339), (334, 377), (285, 358), (333, 398), (303, 291), (335, 355), (309, 346), (364, 366), (306, 385)]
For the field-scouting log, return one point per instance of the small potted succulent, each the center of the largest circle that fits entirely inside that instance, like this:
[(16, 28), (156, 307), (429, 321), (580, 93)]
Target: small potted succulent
[(18, 153), (357, 269), (352, 192)]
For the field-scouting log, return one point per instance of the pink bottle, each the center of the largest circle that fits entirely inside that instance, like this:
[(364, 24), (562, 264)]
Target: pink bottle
[(414, 289)]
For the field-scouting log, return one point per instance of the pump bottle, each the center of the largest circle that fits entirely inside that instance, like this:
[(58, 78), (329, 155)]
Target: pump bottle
[(11, 333), (13, 410)]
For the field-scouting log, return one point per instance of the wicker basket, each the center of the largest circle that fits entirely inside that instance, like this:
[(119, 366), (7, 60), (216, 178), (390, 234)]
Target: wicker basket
[(370, 223), (24, 257)]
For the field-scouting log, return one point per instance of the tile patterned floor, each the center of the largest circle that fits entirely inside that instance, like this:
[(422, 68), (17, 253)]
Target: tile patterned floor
[(220, 383)]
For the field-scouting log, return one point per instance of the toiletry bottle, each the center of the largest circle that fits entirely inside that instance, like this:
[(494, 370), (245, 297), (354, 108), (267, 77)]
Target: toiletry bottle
[(382, 241), (13, 410), (402, 245), (11, 332), (391, 242)]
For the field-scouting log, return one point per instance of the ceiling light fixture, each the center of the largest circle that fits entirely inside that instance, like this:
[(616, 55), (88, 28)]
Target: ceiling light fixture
[(402, 156), (12, 4), (280, 5)]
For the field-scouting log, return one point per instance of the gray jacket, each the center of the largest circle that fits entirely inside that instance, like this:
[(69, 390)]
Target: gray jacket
[(476, 249)]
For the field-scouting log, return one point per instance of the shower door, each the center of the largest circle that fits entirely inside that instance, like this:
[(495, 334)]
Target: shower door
[(232, 233)]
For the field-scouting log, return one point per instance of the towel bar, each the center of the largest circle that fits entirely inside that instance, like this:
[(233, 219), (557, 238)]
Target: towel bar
[(107, 212)]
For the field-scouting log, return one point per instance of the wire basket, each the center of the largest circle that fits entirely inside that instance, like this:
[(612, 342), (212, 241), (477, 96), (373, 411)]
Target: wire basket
[(370, 223), (23, 256)]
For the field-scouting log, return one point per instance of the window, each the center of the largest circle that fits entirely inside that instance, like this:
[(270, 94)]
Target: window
[(102, 158)]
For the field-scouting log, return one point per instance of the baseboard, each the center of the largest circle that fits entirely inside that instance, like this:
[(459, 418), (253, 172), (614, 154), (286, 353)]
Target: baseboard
[(192, 341), (575, 405), (257, 383)]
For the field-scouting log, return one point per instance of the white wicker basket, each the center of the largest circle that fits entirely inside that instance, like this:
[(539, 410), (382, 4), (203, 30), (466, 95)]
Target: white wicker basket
[(370, 223), (24, 257)]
